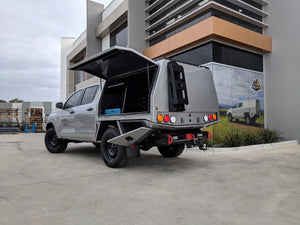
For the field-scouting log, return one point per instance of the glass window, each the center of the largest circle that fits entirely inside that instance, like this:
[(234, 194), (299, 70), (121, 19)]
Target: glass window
[(202, 16), (119, 36), (89, 95), (197, 56), (253, 3), (237, 57), (217, 52), (74, 100)]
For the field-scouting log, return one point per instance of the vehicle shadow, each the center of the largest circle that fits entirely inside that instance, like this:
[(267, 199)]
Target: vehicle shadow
[(83, 151), (241, 122), (153, 160), (150, 160)]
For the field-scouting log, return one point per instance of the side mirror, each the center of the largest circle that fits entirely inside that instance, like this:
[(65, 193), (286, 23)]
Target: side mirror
[(59, 105)]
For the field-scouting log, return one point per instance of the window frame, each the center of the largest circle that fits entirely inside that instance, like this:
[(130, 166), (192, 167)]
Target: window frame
[(79, 100), (85, 90)]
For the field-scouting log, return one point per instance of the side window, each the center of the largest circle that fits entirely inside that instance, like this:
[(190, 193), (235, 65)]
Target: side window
[(240, 104), (89, 95), (74, 100)]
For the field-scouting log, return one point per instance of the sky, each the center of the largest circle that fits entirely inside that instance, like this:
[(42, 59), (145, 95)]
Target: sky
[(30, 32)]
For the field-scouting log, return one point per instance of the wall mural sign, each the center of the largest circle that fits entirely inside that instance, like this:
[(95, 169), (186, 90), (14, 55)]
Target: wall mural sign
[(241, 100)]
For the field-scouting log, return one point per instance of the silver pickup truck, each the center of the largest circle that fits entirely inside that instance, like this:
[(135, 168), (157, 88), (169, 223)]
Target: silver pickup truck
[(143, 103)]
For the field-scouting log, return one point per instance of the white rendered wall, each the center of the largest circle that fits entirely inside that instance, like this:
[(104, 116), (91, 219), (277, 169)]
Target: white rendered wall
[(106, 42), (282, 76), (66, 43)]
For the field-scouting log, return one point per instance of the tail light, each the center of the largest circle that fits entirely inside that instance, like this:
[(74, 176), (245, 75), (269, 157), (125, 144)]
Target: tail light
[(166, 118), (214, 116), (210, 117), (173, 119), (160, 118)]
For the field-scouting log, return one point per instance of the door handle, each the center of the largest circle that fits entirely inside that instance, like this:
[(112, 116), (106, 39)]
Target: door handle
[(90, 109), (72, 112)]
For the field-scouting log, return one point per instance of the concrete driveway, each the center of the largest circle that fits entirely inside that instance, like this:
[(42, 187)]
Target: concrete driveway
[(254, 187)]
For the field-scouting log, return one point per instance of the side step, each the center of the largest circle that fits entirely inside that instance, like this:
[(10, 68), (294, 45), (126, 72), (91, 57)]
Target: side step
[(131, 137)]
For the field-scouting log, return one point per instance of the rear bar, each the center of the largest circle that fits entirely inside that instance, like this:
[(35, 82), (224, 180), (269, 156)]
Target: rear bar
[(168, 139)]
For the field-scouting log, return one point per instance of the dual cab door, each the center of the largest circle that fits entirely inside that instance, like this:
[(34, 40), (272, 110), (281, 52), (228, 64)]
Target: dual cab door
[(77, 119)]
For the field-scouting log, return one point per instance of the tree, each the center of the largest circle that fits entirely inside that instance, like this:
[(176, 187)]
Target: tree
[(2, 101), (16, 100)]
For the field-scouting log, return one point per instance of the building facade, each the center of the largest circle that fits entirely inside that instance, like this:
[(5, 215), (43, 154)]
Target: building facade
[(231, 37)]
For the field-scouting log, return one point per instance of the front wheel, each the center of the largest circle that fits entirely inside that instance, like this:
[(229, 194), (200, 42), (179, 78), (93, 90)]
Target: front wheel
[(113, 155), (171, 151), (53, 143)]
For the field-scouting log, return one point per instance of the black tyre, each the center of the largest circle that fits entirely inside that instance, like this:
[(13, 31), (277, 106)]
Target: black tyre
[(171, 151), (96, 144), (113, 155), (229, 117), (53, 143), (247, 120)]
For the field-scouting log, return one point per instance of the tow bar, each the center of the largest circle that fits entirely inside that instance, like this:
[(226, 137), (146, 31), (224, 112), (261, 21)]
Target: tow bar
[(201, 146)]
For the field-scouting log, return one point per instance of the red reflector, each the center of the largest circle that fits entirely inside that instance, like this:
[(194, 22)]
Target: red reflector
[(209, 135), (210, 118), (166, 118), (189, 136), (170, 139)]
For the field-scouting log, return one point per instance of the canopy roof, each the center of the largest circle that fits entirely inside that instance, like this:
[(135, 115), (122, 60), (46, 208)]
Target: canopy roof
[(116, 61)]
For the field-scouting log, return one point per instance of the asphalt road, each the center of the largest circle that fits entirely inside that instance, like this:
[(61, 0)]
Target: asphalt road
[(246, 187)]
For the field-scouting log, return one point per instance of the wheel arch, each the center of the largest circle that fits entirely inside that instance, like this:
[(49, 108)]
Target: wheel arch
[(104, 126), (49, 125)]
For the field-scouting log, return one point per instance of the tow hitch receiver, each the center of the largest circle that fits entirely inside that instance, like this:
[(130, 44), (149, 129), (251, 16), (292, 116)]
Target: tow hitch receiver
[(201, 146)]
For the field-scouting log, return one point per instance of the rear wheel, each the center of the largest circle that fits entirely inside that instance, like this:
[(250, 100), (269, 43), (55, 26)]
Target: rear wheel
[(53, 143), (113, 155), (171, 151), (229, 117), (247, 120)]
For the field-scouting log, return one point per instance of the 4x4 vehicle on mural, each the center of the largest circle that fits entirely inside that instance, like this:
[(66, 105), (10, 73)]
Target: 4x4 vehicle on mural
[(249, 110), (143, 104)]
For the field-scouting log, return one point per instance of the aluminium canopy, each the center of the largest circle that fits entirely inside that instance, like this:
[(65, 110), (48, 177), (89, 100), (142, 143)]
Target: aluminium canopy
[(116, 61)]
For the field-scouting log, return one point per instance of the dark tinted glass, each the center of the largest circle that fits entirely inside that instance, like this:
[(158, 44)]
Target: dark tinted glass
[(202, 16), (89, 95), (217, 52), (253, 3), (197, 56), (239, 9), (119, 36), (237, 57), (74, 100), (159, 6)]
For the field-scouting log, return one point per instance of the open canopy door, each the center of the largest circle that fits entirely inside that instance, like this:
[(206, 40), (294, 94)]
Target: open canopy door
[(116, 61)]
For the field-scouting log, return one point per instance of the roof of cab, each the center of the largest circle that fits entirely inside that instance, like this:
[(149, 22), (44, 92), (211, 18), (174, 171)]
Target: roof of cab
[(113, 62)]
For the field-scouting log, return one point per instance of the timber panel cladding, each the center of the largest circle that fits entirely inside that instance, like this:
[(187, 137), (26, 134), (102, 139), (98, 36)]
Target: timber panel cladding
[(212, 28)]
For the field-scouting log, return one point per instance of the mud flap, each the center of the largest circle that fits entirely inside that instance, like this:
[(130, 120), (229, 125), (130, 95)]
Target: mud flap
[(132, 152)]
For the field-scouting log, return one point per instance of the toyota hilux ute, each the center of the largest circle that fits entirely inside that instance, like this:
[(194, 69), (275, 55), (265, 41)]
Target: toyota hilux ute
[(143, 104)]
